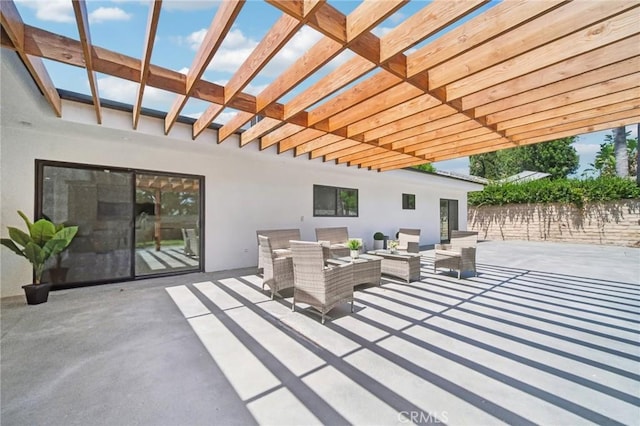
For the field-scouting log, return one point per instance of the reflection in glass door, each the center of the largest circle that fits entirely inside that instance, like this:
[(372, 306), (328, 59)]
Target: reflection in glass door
[(448, 218), (98, 201), (167, 224)]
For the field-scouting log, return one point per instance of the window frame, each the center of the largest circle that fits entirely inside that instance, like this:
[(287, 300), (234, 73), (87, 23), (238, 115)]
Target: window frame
[(408, 201), (337, 190)]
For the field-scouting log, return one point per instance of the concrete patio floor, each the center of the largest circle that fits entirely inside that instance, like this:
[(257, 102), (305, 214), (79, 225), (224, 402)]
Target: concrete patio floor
[(547, 333)]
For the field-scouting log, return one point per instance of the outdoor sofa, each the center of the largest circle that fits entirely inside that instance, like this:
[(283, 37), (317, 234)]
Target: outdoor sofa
[(337, 239)]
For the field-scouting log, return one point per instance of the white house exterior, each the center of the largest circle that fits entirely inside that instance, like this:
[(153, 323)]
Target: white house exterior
[(245, 189)]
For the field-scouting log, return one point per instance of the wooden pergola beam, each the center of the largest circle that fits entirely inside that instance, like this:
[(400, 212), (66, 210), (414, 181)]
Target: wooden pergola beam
[(82, 21), (227, 12), (150, 37), (14, 29)]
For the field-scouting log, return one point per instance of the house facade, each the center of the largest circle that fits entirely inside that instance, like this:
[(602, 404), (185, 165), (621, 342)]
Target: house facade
[(238, 191)]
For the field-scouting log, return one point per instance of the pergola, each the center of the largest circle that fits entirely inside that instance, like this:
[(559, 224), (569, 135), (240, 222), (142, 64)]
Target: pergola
[(520, 72)]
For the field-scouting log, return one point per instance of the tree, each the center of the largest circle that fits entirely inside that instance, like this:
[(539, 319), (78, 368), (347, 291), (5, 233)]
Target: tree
[(558, 158), (620, 151), (605, 162), (426, 167)]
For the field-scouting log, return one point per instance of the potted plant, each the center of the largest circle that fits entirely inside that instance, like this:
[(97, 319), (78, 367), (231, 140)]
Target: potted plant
[(43, 240), (378, 241), (354, 246), (393, 246)]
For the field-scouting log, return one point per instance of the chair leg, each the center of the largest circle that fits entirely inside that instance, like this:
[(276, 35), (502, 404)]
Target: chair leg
[(322, 317), (351, 305), (273, 293), (293, 305), (459, 273)]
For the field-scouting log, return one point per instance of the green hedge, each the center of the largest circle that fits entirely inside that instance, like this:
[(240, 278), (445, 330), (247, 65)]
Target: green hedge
[(571, 191)]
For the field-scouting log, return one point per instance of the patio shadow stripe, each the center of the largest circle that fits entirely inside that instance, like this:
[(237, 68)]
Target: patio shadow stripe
[(502, 309), (307, 396), (540, 346), (582, 319), (579, 299), (515, 383), (581, 280), (377, 389)]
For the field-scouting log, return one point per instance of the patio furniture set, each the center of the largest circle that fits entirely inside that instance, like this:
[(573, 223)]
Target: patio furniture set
[(322, 274)]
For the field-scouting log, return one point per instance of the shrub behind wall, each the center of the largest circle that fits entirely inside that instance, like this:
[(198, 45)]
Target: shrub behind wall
[(594, 211)]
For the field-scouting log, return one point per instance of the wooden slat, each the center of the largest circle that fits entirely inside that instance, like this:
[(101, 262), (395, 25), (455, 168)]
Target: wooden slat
[(593, 91), (325, 140), (352, 153), (388, 161), (597, 116), (613, 98), (425, 23), (227, 12), (82, 20), (280, 134), (495, 21), (347, 143), (390, 111), (568, 87), (412, 143), (429, 126), (269, 46), (150, 37), (15, 31), (374, 157), (298, 139), (563, 21), (613, 53), (459, 144), (259, 129), (427, 116), (601, 34), (402, 165)]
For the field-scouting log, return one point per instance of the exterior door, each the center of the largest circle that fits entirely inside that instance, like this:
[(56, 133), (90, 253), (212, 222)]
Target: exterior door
[(448, 218)]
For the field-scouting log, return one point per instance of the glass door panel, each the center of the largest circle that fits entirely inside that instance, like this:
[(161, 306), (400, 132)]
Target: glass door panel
[(99, 202), (167, 224), (448, 218)]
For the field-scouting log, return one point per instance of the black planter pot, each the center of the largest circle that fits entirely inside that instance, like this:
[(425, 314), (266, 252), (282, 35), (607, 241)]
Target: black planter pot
[(36, 293)]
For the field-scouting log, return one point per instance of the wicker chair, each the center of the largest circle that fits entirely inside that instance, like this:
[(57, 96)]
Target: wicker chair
[(459, 254), (409, 240), (279, 240), (317, 285), (278, 270), (338, 238)]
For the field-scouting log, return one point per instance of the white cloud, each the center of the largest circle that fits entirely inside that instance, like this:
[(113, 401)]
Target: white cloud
[(125, 91), (194, 40), (586, 148), (234, 50), (184, 70), (297, 46), (50, 10), (225, 117), (103, 14), (187, 5)]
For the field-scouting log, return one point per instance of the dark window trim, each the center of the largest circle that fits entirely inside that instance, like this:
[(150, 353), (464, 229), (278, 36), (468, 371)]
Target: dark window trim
[(406, 204), (337, 190), (39, 171)]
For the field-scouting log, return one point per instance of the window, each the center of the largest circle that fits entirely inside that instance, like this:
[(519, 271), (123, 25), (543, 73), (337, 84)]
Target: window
[(408, 201), (332, 201)]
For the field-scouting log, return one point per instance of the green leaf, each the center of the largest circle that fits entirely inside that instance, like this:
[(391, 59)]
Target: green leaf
[(18, 236), (26, 220), (35, 254), (53, 247), (42, 231), (12, 246), (66, 234)]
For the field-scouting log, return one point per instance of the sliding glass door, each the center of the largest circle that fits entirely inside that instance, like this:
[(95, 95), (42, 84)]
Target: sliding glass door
[(448, 218), (167, 223), (130, 223)]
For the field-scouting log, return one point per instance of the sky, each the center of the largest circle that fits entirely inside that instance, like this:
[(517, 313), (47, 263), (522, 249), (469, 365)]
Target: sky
[(120, 25)]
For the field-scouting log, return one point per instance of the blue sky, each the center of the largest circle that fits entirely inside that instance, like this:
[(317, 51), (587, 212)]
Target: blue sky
[(120, 25)]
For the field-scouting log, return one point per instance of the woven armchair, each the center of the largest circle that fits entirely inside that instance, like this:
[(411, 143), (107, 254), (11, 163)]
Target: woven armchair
[(277, 270), (409, 240), (279, 240), (459, 254), (322, 287), (338, 237)]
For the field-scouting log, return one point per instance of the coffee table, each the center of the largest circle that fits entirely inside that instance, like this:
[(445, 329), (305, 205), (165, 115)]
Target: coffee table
[(366, 268), (405, 266)]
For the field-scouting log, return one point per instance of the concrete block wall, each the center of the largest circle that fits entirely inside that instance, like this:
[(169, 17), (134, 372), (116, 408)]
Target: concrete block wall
[(612, 223)]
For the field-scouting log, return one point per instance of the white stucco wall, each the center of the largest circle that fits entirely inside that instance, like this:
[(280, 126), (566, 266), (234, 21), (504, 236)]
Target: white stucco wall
[(246, 189)]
